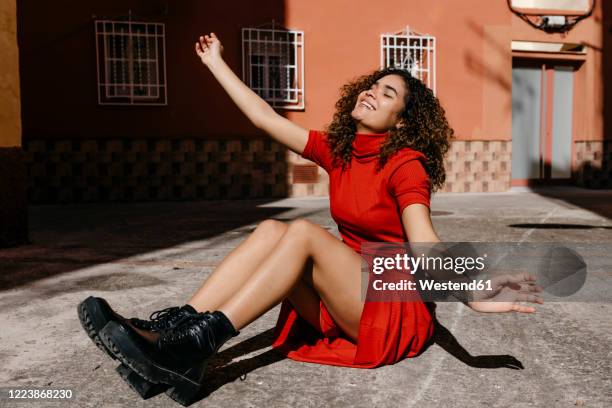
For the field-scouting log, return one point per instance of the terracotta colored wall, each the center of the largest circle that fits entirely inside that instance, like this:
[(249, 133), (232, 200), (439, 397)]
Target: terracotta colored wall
[(473, 56), (606, 67), (474, 59)]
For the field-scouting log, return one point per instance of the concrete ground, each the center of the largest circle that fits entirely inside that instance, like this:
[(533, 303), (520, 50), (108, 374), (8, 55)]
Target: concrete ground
[(144, 257)]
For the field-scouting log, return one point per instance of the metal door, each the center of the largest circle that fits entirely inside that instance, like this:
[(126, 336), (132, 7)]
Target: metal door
[(542, 123)]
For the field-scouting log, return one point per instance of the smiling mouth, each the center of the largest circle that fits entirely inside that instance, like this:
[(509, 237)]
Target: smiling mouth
[(367, 105)]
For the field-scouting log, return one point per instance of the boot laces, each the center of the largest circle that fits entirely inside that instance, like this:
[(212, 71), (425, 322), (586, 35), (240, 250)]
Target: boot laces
[(184, 328), (161, 314), (164, 318)]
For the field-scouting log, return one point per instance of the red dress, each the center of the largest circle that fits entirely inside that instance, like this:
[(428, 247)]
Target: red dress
[(367, 206)]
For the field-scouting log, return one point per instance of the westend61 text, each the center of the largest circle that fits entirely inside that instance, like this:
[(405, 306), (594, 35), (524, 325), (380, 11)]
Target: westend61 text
[(407, 262), (429, 285)]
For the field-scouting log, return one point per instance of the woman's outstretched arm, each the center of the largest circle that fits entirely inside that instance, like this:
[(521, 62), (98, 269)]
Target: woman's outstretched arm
[(209, 49), (510, 291)]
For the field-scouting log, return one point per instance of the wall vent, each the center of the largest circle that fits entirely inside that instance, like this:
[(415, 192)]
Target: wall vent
[(305, 173)]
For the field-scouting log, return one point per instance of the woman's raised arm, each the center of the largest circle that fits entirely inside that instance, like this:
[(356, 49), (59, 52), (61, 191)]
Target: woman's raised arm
[(209, 49)]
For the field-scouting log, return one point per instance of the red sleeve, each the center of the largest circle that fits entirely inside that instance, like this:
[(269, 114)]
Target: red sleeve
[(317, 149), (409, 184)]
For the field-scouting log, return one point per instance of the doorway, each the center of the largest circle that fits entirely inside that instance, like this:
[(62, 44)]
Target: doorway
[(542, 122)]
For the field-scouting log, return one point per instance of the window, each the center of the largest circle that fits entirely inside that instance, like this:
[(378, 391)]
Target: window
[(131, 59), (411, 51), (273, 65)]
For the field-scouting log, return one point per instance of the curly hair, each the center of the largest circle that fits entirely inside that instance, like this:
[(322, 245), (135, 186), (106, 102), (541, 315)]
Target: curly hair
[(425, 129)]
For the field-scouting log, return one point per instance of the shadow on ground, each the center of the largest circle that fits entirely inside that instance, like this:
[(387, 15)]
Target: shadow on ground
[(591, 200), (67, 238), (559, 226), (224, 371)]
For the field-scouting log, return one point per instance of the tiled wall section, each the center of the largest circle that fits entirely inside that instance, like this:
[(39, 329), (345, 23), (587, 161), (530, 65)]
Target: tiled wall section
[(63, 171), (478, 166), (471, 166), (594, 164)]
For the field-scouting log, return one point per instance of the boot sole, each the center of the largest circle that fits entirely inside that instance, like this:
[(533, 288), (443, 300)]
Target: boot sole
[(141, 386), (86, 310), (122, 344)]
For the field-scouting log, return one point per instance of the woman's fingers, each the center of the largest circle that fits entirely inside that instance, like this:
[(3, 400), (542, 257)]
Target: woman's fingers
[(526, 297), (208, 39), (530, 287), (522, 309), (521, 277), (207, 44)]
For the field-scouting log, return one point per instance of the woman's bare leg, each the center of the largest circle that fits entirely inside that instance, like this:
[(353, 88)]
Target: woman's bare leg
[(306, 301), (237, 266), (335, 276)]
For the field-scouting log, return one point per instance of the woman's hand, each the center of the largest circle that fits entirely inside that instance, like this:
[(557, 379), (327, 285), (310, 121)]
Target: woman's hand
[(209, 49), (508, 291), (259, 112)]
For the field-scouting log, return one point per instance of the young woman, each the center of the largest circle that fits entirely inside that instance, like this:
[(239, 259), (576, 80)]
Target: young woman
[(384, 154)]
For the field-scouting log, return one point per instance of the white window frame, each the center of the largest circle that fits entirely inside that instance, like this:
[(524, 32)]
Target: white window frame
[(123, 88), (267, 43), (415, 52)]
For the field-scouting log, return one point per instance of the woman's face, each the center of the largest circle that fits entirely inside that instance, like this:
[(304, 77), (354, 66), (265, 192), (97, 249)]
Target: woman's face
[(377, 108)]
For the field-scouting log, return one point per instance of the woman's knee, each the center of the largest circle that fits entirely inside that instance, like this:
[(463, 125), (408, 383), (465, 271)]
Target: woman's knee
[(301, 230), (272, 229), (301, 227)]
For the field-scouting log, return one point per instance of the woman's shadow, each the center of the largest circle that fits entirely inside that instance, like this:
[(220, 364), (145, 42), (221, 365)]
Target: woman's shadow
[(445, 339), (223, 371)]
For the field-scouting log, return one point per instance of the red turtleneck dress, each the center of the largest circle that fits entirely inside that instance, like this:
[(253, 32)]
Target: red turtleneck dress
[(367, 205)]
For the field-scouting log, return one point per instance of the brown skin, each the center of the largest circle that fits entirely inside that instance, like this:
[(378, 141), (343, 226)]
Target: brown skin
[(386, 97)]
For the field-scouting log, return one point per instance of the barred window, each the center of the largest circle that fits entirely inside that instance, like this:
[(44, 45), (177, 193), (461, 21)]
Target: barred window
[(411, 51), (131, 60), (273, 65)]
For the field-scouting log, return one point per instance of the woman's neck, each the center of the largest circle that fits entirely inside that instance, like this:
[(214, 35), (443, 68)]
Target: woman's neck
[(367, 130)]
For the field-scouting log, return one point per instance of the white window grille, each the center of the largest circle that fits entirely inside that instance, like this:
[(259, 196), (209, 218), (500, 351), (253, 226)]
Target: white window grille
[(411, 51), (131, 63), (273, 65)]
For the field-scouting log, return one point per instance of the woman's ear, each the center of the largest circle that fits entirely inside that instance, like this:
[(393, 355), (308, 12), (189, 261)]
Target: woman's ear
[(400, 124)]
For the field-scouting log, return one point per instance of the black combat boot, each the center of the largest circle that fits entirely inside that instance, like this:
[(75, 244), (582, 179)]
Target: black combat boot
[(179, 356), (94, 313)]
